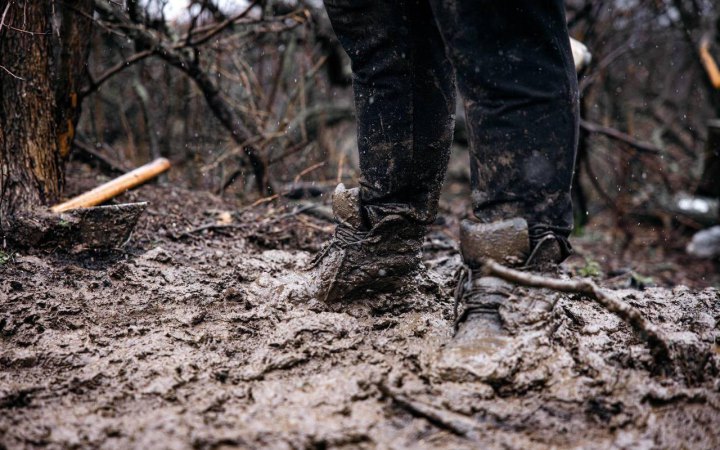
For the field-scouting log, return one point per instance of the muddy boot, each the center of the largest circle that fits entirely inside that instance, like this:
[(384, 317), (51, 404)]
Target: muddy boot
[(360, 258), (485, 345)]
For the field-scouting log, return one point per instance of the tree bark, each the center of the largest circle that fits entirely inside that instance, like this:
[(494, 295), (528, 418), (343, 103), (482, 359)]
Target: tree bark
[(71, 48), (30, 163), (41, 68)]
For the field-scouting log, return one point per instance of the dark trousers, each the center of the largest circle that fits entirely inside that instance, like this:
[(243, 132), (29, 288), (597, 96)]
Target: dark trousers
[(515, 73)]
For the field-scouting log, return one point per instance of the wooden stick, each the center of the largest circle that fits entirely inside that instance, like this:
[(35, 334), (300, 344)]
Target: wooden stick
[(442, 419), (115, 187), (709, 63)]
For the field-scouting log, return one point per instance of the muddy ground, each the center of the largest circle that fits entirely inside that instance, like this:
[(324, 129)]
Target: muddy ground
[(199, 340)]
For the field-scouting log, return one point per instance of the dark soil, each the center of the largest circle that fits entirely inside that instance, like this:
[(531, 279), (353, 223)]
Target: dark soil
[(193, 336)]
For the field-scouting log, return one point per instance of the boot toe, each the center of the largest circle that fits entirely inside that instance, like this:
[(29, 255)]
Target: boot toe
[(476, 352), (503, 361)]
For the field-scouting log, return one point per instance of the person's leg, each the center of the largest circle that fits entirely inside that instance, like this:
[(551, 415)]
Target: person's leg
[(517, 78), (405, 102), (404, 97)]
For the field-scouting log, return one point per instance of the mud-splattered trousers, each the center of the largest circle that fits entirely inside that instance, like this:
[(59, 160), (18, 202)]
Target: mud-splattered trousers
[(514, 71)]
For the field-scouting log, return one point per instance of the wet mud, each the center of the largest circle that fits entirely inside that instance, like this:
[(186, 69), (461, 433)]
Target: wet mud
[(202, 339)]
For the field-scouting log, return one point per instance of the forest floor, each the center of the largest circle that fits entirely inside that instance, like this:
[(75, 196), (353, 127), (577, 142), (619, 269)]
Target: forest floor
[(192, 337)]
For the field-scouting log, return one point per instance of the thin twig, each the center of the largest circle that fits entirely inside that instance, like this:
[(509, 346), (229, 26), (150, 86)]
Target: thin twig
[(229, 22), (292, 150), (211, 226), (620, 136), (221, 226), (308, 170), (11, 74), (122, 65), (648, 331), (441, 419), (31, 33), (2, 19), (293, 213), (263, 200), (297, 17)]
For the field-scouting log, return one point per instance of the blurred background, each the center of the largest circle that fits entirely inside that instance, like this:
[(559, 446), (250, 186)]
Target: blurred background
[(253, 100)]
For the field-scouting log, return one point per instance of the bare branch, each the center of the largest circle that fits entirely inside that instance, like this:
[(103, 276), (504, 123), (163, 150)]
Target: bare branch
[(620, 136), (117, 68), (220, 27), (445, 420), (647, 330), (2, 19), (11, 74), (186, 60)]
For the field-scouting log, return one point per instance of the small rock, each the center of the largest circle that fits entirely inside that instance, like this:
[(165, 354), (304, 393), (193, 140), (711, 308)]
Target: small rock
[(158, 254), (705, 243)]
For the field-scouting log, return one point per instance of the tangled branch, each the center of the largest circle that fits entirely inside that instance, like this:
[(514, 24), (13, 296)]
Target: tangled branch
[(183, 54)]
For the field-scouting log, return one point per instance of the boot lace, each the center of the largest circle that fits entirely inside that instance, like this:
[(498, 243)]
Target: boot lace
[(344, 237), (540, 233), (464, 295)]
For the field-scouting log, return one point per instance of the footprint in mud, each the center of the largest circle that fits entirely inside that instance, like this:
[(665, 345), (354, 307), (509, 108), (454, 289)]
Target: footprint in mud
[(280, 276)]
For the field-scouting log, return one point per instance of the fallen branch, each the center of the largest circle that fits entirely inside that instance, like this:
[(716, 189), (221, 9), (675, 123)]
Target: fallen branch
[(2, 19), (441, 419), (220, 226), (307, 171), (210, 226), (648, 331), (11, 74)]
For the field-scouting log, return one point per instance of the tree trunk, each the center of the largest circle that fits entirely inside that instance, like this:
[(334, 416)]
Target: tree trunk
[(41, 69), (72, 48)]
